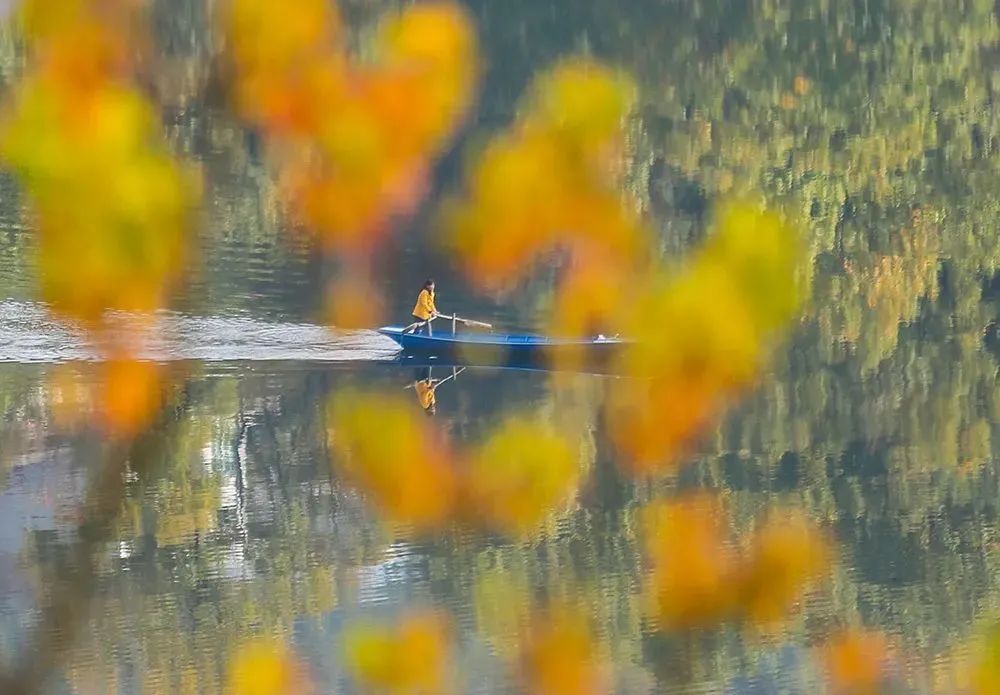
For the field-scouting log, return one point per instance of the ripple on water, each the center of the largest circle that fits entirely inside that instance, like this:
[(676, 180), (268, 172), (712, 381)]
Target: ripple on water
[(29, 333)]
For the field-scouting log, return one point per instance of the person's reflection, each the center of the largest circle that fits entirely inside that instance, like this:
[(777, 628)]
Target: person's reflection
[(424, 387)]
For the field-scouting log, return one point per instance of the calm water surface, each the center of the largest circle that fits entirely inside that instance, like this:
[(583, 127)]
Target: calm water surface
[(875, 120)]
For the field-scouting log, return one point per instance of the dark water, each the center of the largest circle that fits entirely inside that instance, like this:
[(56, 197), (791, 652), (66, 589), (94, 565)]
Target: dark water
[(875, 120)]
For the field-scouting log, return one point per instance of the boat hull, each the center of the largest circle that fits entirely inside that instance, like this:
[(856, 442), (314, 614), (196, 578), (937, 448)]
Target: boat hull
[(529, 351)]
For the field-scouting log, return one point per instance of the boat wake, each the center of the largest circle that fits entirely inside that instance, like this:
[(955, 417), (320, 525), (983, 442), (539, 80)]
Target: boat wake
[(29, 333)]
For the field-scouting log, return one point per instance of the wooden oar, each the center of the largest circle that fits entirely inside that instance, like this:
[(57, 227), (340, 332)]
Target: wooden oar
[(418, 324), (467, 322), (449, 378), (463, 321), (439, 381)]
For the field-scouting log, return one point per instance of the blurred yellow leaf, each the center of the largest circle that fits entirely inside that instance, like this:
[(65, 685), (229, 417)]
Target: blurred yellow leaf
[(411, 657), (550, 182), (700, 580), (132, 395), (113, 207), (985, 673), (582, 101), (265, 667), (560, 657), (857, 662), (766, 257), (700, 337), (352, 143), (787, 554), (693, 566), (354, 303), (519, 475), (403, 468)]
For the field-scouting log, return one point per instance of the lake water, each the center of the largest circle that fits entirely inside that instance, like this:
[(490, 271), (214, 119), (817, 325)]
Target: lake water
[(875, 120)]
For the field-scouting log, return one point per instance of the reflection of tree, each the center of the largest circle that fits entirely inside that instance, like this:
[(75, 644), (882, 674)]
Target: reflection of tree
[(901, 458), (851, 117), (183, 503), (874, 124), (230, 531), (26, 416), (285, 541), (68, 589)]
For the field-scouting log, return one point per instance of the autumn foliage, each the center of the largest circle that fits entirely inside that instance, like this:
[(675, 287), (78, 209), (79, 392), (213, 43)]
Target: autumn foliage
[(701, 578), (113, 207), (351, 144), (411, 656), (728, 305), (267, 667), (509, 483), (550, 180), (403, 465), (560, 656), (858, 662)]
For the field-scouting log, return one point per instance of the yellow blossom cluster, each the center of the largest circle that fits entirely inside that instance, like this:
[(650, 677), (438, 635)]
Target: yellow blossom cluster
[(509, 483), (409, 657), (560, 656), (700, 336), (352, 142), (551, 183), (267, 667), (699, 579), (113, 208), (857, 662)]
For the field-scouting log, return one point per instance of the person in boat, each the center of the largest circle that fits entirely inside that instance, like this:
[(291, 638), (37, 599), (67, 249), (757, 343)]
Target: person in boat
[(425, 309)]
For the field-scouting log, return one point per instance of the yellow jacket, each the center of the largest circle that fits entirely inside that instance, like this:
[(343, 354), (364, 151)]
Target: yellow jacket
[(425, 394), (425, 305)]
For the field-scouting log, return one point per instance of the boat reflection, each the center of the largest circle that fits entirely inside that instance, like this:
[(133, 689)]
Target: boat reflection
[(503, 362), (509, 350)]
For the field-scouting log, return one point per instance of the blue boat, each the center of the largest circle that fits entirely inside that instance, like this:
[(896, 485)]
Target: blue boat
[(502, 349)]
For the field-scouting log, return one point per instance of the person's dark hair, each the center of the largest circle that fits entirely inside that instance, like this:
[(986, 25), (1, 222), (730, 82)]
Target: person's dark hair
[(428, 282)]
